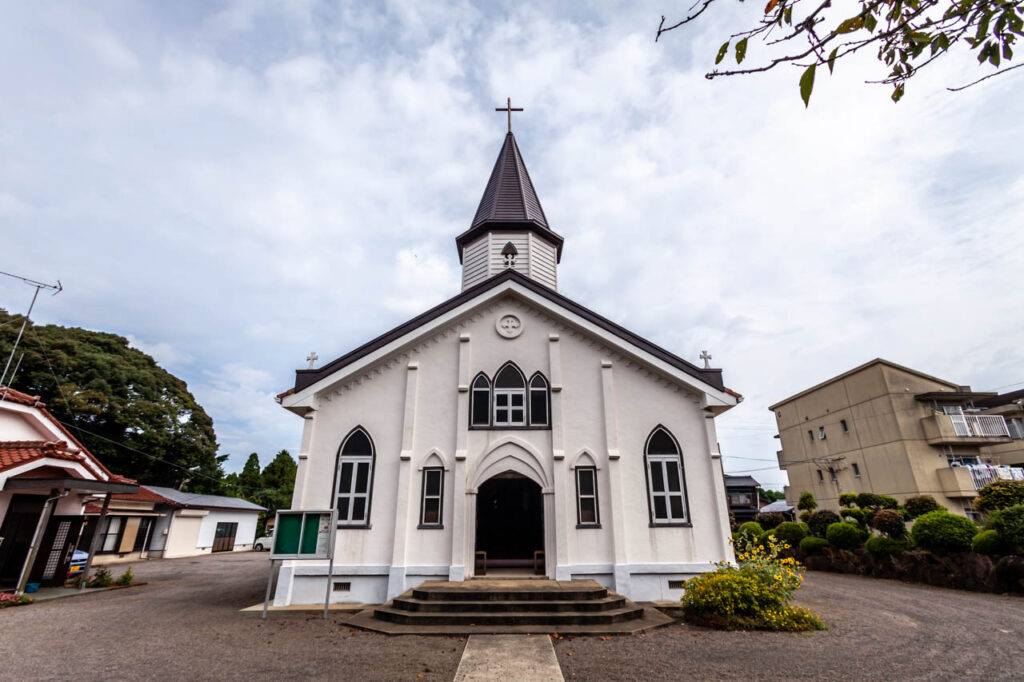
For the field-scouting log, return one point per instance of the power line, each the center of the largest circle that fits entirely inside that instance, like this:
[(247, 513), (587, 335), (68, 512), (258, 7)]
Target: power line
[(75, 425)]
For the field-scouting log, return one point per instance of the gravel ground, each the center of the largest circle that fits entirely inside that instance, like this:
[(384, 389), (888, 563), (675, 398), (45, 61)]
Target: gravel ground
[(878, 630), (185, 624)]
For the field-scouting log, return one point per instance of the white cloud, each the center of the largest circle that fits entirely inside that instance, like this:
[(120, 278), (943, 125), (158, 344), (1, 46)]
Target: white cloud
[(235, 188)]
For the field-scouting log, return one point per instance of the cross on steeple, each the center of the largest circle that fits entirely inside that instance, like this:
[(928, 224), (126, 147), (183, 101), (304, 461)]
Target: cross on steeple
[(311, 358), (508, 108), (706, 356)]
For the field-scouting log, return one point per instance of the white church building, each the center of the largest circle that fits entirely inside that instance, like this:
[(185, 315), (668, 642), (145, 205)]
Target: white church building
[(510, 429)]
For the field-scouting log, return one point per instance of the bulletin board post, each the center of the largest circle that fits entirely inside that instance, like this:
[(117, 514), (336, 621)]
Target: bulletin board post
[(303, 534)]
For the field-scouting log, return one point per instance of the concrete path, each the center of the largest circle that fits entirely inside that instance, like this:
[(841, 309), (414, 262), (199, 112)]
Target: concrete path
[(523, 658)]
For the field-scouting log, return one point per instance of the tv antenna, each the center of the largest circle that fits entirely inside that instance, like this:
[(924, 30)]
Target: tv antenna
[(56, 288)]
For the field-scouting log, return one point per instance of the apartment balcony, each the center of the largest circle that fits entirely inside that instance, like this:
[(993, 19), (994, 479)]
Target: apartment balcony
[(965, 429), (966, 480), (957, 482)]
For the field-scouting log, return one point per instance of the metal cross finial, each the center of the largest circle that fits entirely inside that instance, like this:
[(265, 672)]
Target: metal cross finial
[(509, 109), (706, 356), (312, 357)]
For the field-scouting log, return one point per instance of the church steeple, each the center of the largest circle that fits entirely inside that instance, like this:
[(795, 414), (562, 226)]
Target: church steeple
[(509, 215)]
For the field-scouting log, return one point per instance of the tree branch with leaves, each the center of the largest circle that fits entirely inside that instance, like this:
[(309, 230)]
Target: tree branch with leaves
[(907, 35)]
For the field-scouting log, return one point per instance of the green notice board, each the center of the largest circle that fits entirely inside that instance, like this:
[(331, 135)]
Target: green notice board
[(303, 534)]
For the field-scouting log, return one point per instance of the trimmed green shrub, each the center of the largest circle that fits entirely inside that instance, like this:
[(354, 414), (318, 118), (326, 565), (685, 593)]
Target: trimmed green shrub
[(920, 505), (1009, 524), (804, 515), (1000, 495), (803, 524), (790, 533), (848, 499), (855, 515), (987, 542), (883, 545), (890, 522), (940, 532), (844, 535), (873, 501), (769, 520), (889, 502), (807, 502), (813, 544), (819, 522), (751, 528)]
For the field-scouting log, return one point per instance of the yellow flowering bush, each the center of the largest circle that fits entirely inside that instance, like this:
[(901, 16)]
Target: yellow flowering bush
[(753, 595)]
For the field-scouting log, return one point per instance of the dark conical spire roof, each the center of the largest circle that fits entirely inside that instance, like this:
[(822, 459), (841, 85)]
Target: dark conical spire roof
[(509, 195), (509, 202)]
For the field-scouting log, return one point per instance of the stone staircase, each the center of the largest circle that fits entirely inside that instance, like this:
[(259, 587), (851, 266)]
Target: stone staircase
[(494, 606)]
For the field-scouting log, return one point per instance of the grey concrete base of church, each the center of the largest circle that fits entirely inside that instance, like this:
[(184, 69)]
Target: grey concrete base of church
[(509, 657), (506, 606)]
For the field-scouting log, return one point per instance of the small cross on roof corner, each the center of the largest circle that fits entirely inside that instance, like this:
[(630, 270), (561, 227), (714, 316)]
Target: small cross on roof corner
[(312, 358), (509, 108), (706, 357)]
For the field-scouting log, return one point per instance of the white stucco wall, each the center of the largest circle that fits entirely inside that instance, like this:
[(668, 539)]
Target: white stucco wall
[(245, 534), (604, 404), (183, 534)]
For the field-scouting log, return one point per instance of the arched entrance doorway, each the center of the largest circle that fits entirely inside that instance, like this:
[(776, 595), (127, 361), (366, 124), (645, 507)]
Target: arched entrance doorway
[(509, 520)]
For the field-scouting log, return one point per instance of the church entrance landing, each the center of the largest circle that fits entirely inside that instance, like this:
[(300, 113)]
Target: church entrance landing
[(510, 523), (509, 606)]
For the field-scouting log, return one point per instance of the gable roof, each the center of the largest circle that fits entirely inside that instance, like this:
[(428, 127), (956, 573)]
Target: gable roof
[(509, 201), (71, 447), (304, 378), (203, 501), (876, 361), (740, 481)]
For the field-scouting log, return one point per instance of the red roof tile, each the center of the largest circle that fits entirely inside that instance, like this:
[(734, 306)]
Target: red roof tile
[(8, 393), (17, 452)]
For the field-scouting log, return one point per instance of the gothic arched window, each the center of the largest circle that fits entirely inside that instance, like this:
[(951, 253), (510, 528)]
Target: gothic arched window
[(354, 483), (666, 484), (480, 401), (509, 254), (509, 397), (539, 401)]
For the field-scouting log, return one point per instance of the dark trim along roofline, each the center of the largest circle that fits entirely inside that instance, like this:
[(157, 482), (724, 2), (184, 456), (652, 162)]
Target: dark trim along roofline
[(307, 377), (544, 233)]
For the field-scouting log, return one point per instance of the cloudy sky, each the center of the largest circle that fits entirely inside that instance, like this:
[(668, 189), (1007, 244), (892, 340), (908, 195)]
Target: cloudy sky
[(233, 185)]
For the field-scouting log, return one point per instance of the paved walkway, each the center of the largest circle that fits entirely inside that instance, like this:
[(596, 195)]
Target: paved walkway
[(523, 658)]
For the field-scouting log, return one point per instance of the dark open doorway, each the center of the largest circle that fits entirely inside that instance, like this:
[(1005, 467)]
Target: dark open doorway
[(509, 520)]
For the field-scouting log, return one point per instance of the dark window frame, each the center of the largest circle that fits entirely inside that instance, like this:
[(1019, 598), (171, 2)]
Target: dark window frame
[(363, 523), (119, 533), (580, 523), (664, 458), (856, 469), (473, 389), (530, 390), (439, 524), (143, 534), (844, 425)]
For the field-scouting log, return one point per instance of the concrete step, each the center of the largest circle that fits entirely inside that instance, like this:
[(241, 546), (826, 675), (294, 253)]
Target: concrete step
[(510, 590), (650, 619), (545, 618), (407, 603)]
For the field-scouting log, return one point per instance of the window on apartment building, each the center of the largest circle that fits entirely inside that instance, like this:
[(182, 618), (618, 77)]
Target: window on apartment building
[(846, 427), (832, 474), (821, 433), (821, 476), (1016, 427), (970, 512), (810, 437), (962, 460), (856, 470)]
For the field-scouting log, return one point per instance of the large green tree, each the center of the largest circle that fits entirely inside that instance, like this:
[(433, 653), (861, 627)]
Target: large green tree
[(905, 35), (137, 418)]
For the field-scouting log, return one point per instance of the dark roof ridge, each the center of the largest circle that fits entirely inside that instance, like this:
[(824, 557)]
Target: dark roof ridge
[(307, 377)]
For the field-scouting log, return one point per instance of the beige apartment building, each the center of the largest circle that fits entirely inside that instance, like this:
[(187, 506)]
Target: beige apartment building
[(892, 430)]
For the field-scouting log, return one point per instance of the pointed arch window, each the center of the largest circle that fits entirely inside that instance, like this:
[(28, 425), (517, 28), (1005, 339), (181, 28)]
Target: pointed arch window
[(354, 483), (539, 401), (666, 484), (480, 401), (509, 397)]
